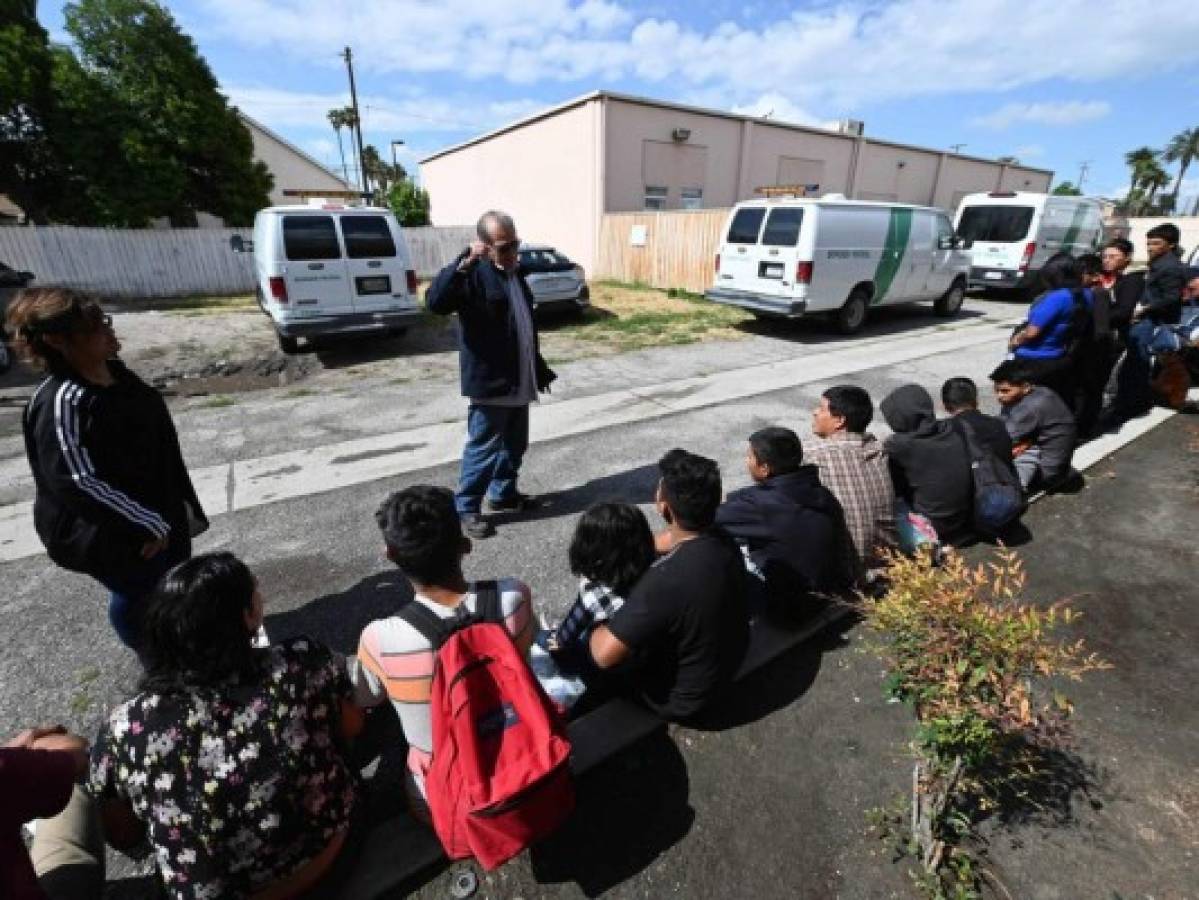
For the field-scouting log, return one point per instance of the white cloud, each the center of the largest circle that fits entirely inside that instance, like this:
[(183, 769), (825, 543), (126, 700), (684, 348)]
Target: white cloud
[(1028, 151), (1068, 112), (834, 56), (774, 105)]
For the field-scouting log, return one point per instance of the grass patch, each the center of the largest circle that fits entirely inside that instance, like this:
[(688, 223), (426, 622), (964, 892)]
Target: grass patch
[(301, 392), (220, 401), (633, 317), (193, 306)]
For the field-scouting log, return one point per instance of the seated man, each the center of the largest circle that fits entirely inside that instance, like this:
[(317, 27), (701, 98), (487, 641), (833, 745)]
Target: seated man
[(422, 535), (789, 523), (930, 467), (853, 466), (1184, 335), (1040, 425), (687, 619), (959, 396)]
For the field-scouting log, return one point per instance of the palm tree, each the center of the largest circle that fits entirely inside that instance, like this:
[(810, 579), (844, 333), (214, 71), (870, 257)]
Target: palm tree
[(1182, 149), (1137, 160), (1153, 179), (339, 119)]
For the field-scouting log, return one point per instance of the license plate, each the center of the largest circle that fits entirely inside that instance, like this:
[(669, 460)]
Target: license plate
[(772, 270), (374, 284), (993, 276)]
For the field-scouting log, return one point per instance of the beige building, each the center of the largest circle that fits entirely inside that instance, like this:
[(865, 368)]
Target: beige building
[(292, 168), (557, 172)]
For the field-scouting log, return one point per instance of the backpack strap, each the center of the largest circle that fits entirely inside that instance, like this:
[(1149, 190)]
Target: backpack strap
[(432, 627), (487, 602)]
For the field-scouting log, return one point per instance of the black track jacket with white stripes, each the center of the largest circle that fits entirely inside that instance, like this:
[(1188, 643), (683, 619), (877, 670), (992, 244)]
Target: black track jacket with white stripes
[(109, 472)]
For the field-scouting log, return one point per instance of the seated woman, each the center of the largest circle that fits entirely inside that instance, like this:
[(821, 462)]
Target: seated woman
[(612, 548), (230, 760)]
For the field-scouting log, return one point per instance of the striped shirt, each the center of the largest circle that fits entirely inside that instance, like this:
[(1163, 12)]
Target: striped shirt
[(395, 662), (854, 468)]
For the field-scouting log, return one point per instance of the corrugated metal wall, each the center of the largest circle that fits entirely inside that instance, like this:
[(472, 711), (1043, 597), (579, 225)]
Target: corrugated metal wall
[(171, 263)]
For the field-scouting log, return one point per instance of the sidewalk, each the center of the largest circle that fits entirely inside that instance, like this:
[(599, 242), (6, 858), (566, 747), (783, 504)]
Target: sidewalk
[(776, 806)]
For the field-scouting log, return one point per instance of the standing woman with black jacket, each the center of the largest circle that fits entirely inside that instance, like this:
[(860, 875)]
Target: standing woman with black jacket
[(114, 499)]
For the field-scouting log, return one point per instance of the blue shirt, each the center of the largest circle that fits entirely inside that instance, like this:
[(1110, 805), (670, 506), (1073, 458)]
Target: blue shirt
[(1051, 313)]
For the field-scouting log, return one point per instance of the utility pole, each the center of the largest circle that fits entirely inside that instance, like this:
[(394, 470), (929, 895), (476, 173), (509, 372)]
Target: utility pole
[(1083, 168), (362, 180), (957, 148)]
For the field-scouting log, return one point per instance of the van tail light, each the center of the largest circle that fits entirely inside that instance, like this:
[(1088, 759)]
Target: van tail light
[(803, 272), (411, 276), (717, 263), (1026, 260), (278, 288)]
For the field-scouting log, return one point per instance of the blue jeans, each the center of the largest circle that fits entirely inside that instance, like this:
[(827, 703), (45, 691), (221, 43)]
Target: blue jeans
[(130, 591), (497, 438), (1133, 394), (1172, 338)]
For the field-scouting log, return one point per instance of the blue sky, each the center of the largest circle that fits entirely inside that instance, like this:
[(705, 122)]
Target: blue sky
[(1052, 83)]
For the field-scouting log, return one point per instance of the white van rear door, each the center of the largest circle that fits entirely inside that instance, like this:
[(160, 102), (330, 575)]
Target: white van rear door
[(373, 261), (739, 254), (315, 270), (778, 257), (1001, 234)]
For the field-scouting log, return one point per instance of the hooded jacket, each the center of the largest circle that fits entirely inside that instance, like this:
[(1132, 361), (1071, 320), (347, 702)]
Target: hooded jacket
[(109, 473), (930, 464), (793, 527)]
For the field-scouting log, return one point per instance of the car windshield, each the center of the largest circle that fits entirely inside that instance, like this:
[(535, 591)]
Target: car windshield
[(543, 259), (1002, 224)]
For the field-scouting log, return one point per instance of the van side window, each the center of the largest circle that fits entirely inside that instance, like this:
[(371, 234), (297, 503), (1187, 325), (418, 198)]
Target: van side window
[(782, 228), (746, 225), (942, 228), (367, 237), (310, 237)]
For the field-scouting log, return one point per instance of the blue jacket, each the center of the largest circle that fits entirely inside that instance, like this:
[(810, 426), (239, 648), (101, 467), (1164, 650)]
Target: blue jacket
[(488, 344)]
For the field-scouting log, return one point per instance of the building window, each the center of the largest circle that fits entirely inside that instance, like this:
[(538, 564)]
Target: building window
[(655, 197), (692, 198)]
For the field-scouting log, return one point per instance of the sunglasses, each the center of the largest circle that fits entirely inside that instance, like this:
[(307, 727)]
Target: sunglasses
[(81, 320), (506, 246)]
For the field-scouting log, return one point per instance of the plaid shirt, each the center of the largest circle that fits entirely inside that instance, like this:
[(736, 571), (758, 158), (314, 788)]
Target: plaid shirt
[(854, 468), (596, 603)]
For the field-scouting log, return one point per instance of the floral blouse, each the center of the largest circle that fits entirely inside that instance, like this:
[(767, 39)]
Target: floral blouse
[(239, 784)]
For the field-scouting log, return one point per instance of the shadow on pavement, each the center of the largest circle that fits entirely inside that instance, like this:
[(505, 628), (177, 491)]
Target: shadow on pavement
[(337, 620), (633, 486), (425, 336), (881, 322), (629, 812)]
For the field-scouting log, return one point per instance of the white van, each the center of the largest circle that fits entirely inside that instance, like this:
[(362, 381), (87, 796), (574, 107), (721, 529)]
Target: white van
[(790, 257), (1011, 234), (328, 269)]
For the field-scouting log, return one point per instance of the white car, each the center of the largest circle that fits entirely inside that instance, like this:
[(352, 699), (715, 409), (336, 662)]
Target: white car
[(327, 268), (791, 257), (1011, 234), (555, 281)]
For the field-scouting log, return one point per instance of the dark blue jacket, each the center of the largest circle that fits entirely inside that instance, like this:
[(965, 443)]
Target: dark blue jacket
[(1163, 289), (488, 343), (792, 526)]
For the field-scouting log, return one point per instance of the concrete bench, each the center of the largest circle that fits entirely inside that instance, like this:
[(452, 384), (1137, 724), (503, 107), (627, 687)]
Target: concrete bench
[(399, 849)]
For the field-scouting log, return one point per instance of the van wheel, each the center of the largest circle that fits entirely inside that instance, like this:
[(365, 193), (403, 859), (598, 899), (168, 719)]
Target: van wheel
[(950, 303), (850, 318), (288, 345)]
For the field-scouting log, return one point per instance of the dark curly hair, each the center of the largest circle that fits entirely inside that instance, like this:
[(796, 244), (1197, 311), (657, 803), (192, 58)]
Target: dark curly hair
[(423, 532), (194, 628), (613, 545)]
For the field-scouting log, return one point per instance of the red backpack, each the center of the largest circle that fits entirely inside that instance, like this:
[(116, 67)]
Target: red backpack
[(500, 777)]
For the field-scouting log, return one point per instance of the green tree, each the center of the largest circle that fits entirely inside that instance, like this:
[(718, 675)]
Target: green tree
[(342, 118), (1067, 189), (29, 168), (409, 203), (1153, 179), (382, 175), (1182, 149), (185, 147), (1139, 161)]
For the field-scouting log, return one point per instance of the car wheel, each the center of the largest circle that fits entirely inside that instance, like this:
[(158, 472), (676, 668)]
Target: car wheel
[(950, 303), (288, 345), (850, 318), (397, 331)]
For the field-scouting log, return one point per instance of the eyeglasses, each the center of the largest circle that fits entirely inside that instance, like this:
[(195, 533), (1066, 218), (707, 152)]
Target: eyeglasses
[(80, 319)]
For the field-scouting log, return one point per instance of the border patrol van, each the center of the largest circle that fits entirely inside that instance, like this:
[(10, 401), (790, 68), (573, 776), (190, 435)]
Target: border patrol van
[(791, 257), (1011, 234), (328, 268)]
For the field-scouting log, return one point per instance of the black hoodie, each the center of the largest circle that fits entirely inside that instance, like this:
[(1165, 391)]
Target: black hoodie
[(792, 526), (930, 464)]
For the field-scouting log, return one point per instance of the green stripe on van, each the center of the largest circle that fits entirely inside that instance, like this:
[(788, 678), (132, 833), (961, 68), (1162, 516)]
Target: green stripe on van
[(899, 228), (1080, 213)]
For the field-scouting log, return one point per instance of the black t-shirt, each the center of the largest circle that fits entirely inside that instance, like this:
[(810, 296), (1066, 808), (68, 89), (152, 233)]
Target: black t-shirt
[(688, 622)]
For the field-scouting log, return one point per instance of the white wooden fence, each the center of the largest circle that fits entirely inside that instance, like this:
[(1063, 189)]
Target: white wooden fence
[(170, 263)]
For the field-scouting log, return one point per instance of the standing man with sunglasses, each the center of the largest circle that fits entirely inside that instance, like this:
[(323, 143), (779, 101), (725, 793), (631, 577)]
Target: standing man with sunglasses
[(501, 367)]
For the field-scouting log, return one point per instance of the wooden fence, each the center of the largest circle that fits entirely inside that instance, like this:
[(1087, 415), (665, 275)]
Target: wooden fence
[(171, 263), (662, 249)]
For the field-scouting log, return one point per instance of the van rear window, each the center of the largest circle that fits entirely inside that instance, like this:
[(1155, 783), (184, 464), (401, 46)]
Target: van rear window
[(1001, 224), (782, 228), (367, 237), (310, 237), (746, 225)]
